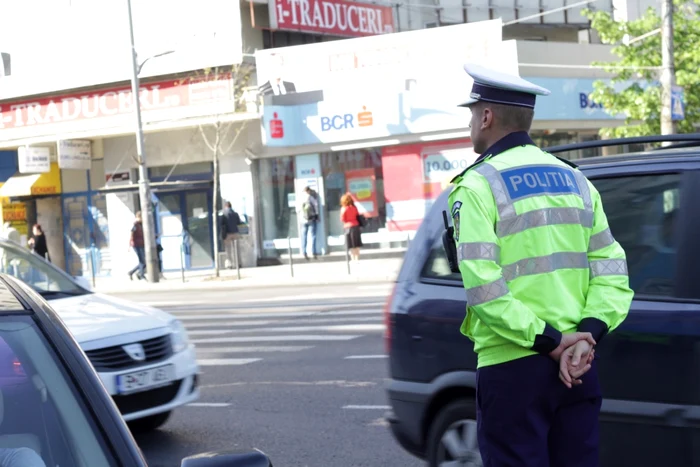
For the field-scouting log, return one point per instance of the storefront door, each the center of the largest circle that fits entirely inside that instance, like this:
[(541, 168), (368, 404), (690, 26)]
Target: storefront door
[(184, 220)]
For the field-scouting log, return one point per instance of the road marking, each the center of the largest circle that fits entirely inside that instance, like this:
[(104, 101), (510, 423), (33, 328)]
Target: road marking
[(215, 352), (208, 404), (336, 328), (364, 357), (367, 407), (289, 298), (386, 287), (210, 332), (262, 315), (226, 361), (256, 322), (224, 340)]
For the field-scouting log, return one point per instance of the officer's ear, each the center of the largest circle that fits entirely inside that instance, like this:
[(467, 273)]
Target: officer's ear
[(487, 118)]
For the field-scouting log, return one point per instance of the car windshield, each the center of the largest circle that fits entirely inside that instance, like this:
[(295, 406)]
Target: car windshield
[(43, 418), (42, 276)]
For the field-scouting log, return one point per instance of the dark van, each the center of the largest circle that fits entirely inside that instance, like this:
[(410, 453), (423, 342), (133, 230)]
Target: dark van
[(649, 367)]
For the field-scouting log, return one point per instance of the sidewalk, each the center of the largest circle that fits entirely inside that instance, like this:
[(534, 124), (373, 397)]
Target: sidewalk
[(305, 273)]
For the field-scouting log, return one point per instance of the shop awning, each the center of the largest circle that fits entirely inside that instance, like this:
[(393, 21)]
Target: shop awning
[(24, 185)]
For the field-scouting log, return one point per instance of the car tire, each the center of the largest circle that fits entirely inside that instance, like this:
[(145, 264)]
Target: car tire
[(150, 423), (452, 436)]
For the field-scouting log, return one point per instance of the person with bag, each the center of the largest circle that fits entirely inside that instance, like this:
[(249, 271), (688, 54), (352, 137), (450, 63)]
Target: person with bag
[(352, 221), (310, 213)]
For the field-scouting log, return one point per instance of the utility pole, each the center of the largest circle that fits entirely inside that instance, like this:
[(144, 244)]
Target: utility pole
[(149, 238), (668, 72)]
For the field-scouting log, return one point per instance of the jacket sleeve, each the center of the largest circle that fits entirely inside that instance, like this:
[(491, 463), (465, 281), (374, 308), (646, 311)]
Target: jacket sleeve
[(488, 296), (609, 294)]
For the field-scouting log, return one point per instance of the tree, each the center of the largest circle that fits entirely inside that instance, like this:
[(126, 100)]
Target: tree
[(640, 62), (221, 134)]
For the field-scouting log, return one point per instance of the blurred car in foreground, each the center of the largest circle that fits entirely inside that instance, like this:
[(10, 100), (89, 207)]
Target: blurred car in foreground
[(54, 409), (649, 368), (142, 354)]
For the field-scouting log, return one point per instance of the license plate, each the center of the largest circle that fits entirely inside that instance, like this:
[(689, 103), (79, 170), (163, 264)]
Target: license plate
[(145, 379)]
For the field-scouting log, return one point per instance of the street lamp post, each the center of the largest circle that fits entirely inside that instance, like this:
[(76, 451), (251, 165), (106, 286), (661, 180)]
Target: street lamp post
[(144, 189)]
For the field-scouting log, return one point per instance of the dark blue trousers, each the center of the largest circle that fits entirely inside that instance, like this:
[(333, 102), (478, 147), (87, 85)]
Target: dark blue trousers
[(526, 417)]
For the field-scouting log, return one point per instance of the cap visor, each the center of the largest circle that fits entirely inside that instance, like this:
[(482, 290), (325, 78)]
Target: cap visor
[(468, 103)]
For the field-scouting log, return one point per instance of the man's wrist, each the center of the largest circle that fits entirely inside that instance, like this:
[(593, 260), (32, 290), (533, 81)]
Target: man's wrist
[(548, 341), (596, 327)]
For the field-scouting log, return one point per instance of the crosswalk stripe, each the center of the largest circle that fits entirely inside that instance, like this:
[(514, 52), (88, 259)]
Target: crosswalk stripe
[(217, 351), (225, 361), (218, 307), (208, 404), (225, 340), (264, 322), (336, 328), (209, 316)]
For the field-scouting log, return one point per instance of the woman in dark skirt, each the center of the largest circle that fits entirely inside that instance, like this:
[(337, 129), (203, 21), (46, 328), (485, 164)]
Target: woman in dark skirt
[(348, 216)]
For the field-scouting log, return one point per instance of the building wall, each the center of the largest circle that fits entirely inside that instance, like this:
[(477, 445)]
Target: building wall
[(564, 60)]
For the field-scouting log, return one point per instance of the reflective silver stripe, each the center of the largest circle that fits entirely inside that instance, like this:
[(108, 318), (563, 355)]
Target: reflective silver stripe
[(543, 217), (498, 188), (487, 292), (585, 190), (601, 240), (544, 264), (478, 250), (608, 267)]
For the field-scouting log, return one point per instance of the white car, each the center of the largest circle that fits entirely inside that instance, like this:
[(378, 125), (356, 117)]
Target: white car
[(142, 355)]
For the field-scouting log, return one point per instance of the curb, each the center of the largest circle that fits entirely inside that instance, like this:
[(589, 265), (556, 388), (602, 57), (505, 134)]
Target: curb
[(248, 283)]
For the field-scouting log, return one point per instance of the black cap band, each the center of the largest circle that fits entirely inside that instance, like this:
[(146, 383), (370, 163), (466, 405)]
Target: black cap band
[(487, 93)]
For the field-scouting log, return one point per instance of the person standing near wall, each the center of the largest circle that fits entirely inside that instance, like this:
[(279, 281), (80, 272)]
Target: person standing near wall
[(230, 220), (38, 243)]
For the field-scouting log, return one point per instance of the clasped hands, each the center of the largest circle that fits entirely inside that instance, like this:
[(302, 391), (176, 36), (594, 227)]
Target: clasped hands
[(574, 355)]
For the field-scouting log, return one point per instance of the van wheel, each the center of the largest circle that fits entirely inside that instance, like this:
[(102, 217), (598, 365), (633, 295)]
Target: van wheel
[(150, 423), (452, 440)]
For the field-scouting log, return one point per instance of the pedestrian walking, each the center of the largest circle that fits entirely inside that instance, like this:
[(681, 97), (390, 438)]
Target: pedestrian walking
[(545, 282), (136, 242)]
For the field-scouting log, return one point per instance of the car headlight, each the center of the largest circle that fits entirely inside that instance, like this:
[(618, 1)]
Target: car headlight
[(178, 336)]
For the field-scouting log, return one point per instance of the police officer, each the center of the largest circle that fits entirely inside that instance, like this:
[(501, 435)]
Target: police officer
[(545, 282)]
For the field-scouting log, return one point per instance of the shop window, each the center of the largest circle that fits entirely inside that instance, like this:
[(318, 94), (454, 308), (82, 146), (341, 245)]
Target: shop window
[(339, 170)]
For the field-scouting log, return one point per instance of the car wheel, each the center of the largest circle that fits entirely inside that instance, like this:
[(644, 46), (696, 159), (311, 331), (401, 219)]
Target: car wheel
[(452, 440), (150, 423)]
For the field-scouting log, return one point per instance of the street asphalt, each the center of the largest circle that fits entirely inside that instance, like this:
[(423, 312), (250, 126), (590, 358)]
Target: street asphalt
[(297, 372)]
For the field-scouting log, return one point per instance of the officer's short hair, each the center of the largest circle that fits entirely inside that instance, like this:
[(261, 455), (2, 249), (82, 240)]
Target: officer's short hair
[(510, 117)]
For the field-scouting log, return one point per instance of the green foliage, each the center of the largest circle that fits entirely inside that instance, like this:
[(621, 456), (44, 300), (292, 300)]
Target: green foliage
[(643, 106)]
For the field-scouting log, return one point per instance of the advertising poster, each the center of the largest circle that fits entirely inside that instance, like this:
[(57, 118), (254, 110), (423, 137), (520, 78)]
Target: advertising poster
[(361, 184), (375, 87), (416, 174)]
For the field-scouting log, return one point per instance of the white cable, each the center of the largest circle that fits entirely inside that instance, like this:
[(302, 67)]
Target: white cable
[(589, 67)]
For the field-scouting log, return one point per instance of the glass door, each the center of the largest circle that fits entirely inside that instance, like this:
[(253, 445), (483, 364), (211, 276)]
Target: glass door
[(170, 228), (199, 227)]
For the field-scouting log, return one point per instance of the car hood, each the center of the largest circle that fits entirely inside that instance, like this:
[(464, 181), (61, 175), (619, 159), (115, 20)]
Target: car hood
[(96, 316)]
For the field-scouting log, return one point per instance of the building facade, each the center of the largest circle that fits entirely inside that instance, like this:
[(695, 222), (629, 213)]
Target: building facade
[(372, 114)]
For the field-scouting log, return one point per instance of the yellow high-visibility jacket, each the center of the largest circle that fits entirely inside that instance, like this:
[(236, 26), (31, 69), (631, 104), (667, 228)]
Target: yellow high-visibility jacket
[(536, 255)]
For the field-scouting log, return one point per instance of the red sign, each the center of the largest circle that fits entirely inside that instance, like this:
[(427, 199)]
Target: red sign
[(336, 17), (276, 127), (113, 102), (416, 174)]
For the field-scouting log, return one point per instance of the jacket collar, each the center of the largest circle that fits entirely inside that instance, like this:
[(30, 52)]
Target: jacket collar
[(510, 141)]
